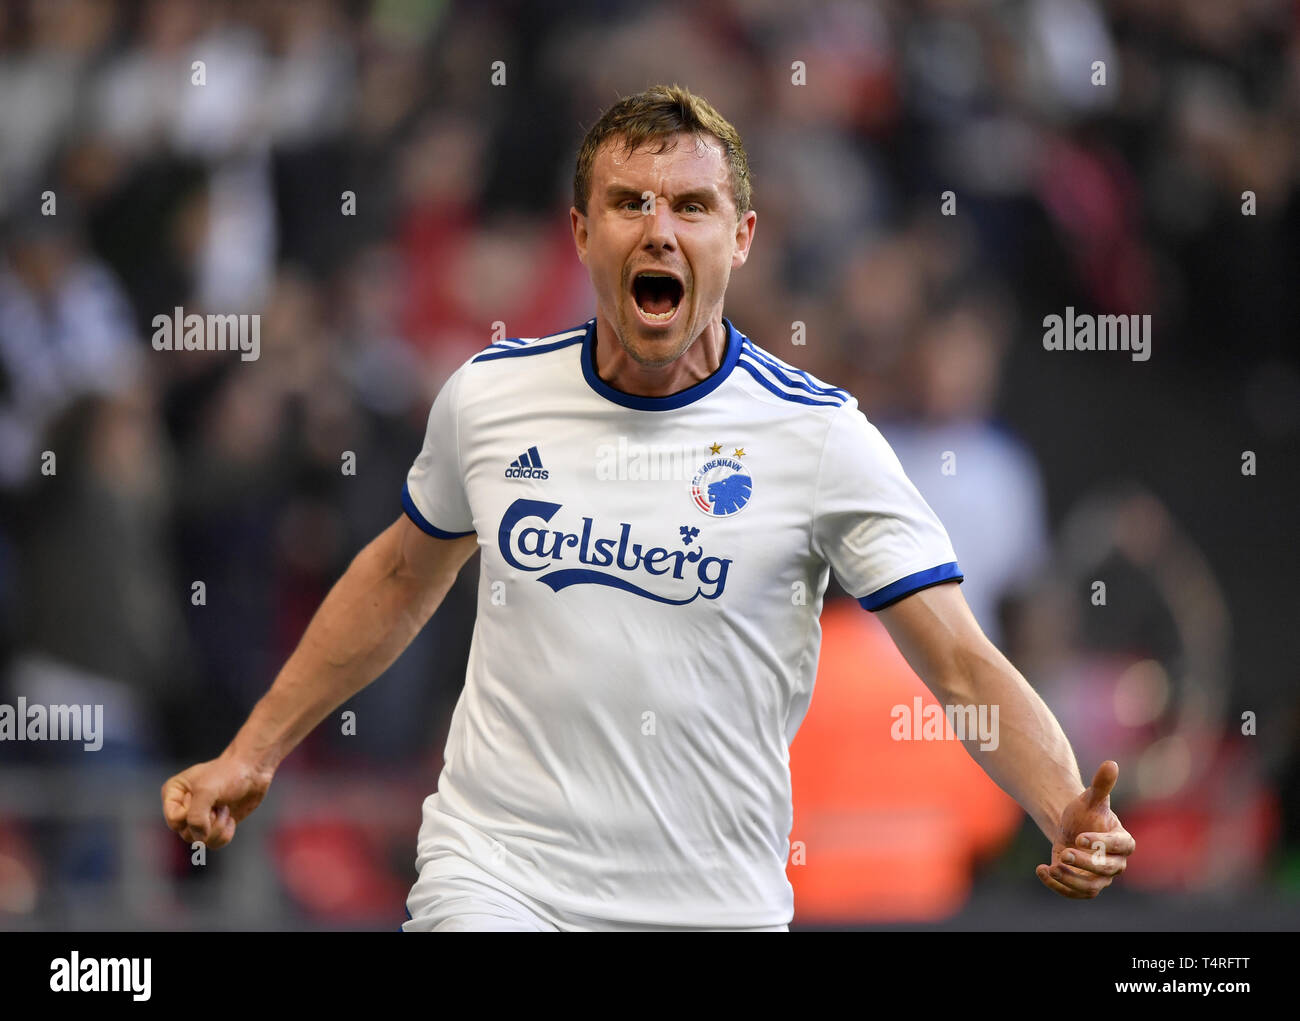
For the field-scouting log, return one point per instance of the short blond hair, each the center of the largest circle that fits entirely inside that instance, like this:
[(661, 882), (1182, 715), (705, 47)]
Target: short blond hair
[(656, 114)]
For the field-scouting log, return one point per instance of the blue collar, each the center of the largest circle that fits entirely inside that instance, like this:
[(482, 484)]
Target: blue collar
[(730, 356)]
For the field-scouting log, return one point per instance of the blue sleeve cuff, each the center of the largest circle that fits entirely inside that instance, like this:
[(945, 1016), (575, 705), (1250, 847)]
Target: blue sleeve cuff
[(413, 512), (892, 593)]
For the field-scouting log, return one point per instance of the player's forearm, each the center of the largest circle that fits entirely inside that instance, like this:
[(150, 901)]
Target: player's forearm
[(1029, 755), (367, 619)]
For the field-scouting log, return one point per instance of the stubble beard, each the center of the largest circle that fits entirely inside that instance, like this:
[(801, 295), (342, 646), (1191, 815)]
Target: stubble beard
[(626, 329)]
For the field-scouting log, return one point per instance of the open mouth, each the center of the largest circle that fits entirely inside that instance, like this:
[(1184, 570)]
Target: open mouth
[(657, 295)]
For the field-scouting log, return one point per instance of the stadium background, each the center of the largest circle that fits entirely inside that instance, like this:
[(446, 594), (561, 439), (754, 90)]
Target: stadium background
[(1071, 466)]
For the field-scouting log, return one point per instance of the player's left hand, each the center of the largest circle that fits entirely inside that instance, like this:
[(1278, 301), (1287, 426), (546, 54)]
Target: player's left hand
[(1091, 846)]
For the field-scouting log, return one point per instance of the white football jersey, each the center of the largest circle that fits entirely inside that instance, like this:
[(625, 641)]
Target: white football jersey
[(647, 635)]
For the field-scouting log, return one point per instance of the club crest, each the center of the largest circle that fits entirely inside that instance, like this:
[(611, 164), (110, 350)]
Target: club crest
[(722, 486)]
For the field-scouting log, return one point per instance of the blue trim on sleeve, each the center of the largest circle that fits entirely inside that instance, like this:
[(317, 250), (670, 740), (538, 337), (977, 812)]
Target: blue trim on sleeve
[(881, 598), (414, 514)]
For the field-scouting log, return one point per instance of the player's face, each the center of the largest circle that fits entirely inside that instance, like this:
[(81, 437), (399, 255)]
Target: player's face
[(660, 239)]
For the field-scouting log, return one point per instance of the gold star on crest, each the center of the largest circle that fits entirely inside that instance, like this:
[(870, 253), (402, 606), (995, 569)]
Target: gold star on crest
[(740, 452), (715, 448)]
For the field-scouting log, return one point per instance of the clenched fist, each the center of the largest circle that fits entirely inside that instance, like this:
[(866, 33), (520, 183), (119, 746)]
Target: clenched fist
[(208, 800)]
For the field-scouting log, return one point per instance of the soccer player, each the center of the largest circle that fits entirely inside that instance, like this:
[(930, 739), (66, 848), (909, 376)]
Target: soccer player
[(658, 501)]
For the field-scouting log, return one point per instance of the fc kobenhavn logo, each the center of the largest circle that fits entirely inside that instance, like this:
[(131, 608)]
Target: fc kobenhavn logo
[(723, 485)]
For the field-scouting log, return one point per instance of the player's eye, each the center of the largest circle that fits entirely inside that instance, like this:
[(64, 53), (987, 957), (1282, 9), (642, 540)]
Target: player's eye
[(693, 206)]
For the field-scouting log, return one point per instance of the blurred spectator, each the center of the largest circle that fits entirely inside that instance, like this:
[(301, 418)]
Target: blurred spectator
[(977, 476), (65, 330)]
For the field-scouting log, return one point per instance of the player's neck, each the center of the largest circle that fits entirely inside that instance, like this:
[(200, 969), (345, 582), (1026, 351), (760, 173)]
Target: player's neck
[(623, 372)]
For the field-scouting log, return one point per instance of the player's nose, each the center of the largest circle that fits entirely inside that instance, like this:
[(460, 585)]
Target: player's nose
[(658, 228)]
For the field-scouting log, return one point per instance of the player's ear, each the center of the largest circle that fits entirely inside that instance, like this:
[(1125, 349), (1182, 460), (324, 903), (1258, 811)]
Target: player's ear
[(744, 238), (578, 223)]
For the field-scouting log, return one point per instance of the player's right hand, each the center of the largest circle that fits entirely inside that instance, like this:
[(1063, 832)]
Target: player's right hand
[(207, 801)]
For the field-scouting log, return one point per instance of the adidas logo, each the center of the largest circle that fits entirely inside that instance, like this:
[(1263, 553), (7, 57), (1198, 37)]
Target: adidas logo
[(527, 465)]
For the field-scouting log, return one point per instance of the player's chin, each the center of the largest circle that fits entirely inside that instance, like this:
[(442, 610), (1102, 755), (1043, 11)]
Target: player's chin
[(655, 353)]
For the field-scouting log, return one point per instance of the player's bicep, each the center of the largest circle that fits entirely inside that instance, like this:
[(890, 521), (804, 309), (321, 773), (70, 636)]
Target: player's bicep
[(937, 634), (428, 559)]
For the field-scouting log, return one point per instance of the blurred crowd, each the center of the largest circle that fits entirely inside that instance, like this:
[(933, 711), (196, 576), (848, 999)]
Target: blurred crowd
[(350, 171)]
